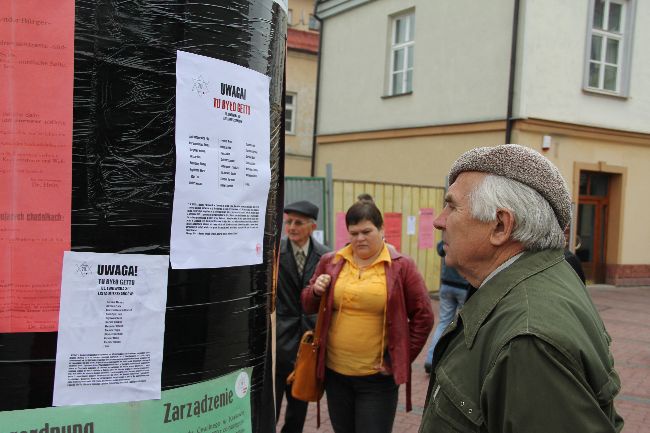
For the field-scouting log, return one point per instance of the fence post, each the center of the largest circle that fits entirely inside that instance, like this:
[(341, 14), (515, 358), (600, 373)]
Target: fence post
[(329, 188)]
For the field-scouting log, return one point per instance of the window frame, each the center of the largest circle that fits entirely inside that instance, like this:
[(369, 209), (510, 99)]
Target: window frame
[(395, 46), (314, 24), (625, 39), (293, 107)]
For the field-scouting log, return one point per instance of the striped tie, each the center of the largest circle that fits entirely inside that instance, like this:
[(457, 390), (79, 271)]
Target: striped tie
[(300, 261)]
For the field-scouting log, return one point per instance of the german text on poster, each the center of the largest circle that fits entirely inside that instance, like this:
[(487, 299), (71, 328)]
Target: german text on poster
[(36, 76), (220, 405)]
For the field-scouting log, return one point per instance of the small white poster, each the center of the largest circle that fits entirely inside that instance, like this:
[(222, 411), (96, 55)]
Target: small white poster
[(111, 328), (319, 236), (410, 225), (223, 168)]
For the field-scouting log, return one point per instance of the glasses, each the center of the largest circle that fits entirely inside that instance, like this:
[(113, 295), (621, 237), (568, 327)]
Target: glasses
[(295, 222)]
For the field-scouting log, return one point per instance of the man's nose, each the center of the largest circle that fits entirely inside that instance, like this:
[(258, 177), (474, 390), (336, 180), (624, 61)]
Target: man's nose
[(441, 221)]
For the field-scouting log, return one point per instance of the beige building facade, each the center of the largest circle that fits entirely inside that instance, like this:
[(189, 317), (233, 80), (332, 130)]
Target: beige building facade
[(302, 65), (407, 86)]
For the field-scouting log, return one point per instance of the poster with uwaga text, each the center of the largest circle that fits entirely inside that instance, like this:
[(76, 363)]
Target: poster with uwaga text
[(219, 405), (222, 163), (111, 328), (36, 76)]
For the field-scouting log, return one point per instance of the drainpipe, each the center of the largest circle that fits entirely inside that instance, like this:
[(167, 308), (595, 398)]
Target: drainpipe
[(513, 66), (320, 47)]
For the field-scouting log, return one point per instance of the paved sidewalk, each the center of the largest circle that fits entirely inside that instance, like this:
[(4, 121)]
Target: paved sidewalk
[(626, 312)]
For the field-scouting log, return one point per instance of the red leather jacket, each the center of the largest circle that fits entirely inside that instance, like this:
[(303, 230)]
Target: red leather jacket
[(409, 316)]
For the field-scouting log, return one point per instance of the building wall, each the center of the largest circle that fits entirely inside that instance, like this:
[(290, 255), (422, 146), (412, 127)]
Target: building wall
[(426, 159), (297, 165), (301, 80), (566, 151), (552, 84), (302, 64), (459, 101), (300, 11), (457, 77), (423, 160)]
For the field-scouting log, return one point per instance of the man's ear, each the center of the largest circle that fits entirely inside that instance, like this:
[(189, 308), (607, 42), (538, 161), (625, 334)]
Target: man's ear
[(503, 227)]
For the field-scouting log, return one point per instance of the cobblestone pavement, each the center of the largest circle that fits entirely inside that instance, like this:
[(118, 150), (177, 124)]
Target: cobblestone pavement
[(626, 312)]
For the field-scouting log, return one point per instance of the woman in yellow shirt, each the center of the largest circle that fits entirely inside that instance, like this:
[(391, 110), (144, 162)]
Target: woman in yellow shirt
[(377, 320)]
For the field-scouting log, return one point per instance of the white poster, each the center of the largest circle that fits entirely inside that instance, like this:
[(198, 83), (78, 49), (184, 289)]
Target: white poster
[(222, 163), (111, 328), (319, 236), (410, 225)]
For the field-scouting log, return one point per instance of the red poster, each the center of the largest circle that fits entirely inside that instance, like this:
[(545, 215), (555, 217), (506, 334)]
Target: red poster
[(425, 237), (36, 77), (393, 229), (341, 237)]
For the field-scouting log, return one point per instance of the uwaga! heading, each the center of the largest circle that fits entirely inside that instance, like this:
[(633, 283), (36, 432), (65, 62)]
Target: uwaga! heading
[(233, 92)]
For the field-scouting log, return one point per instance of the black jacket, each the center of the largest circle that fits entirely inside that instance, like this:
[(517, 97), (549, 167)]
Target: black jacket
[(291, 321)]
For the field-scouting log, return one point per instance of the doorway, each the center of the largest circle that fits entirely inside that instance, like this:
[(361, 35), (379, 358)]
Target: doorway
[(593, 209)]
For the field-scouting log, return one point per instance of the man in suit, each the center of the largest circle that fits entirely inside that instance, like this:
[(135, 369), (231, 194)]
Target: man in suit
[(299, 254)]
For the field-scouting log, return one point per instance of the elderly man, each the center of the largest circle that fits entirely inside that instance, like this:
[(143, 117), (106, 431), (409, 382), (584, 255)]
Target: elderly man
[(299, 255), (528, 352)]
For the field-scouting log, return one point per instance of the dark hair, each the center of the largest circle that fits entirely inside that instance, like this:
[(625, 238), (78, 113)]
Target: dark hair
[(364, 196), (364, 209)]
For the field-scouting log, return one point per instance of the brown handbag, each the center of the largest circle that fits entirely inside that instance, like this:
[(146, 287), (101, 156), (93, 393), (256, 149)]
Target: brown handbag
[(304, 382)]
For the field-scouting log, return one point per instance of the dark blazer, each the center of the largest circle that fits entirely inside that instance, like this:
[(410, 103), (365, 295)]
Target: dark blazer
[(291, 321)]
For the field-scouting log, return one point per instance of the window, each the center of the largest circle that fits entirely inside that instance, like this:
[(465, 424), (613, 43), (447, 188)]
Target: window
[(401, 62), (290, 113), (313, 23), (608, 46), (290, 18)]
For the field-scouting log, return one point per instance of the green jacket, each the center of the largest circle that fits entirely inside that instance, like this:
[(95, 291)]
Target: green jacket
[(529, 353)]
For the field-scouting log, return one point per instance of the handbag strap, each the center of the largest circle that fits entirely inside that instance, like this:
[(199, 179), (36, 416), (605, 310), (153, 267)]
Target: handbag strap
[(319, 320)]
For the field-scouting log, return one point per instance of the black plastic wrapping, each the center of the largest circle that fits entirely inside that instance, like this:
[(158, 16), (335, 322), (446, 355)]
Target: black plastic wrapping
[(217, 320)]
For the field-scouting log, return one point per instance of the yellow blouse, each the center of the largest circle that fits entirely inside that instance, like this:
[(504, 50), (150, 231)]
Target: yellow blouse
[(356, 339)]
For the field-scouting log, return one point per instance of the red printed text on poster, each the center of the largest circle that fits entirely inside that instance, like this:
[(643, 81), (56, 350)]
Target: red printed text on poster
[(425, 236), (341, 238), (36, 79), (393, 229)]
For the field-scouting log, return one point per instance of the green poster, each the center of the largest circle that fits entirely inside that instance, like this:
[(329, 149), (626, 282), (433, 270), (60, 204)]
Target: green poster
[(220, 405)]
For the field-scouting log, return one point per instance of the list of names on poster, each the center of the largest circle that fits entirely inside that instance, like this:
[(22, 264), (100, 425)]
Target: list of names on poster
[(114, 322), (36, 77), (222, 163), (115, 356), (198, 147)]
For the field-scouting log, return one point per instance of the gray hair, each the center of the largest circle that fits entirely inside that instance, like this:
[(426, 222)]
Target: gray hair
[(536, 226)]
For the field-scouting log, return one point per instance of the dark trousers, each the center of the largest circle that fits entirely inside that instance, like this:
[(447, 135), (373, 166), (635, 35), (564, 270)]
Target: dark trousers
[(296, 410), (361, 404)]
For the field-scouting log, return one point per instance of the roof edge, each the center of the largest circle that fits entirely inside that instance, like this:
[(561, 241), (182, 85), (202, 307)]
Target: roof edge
[(329, 8)]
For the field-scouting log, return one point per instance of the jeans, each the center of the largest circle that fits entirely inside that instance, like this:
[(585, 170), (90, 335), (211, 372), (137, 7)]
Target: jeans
[(451, 300), (361, 404)]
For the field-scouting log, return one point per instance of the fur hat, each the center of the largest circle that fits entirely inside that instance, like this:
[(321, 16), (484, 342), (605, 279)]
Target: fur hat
[(523, 165)]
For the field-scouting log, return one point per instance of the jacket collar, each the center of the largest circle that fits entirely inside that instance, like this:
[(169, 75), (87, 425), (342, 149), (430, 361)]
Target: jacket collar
[(484, 301), (394, 254), (285, 245)]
